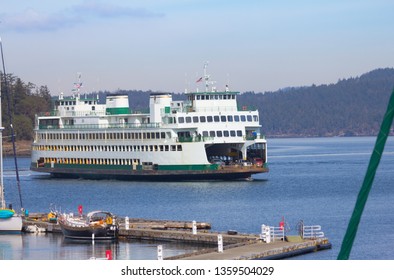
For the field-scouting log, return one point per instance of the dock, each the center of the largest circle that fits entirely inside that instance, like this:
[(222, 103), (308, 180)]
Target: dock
[(234, 245)]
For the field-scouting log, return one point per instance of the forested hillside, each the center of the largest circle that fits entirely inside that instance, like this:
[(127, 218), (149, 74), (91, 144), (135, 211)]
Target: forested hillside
[(353, 106), (25, 99)]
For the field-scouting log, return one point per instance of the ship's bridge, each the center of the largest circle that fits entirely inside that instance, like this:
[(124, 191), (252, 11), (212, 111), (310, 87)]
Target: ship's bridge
[(213, 101)]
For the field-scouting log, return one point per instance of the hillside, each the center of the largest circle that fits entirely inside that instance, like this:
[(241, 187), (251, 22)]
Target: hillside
[(351, 107)]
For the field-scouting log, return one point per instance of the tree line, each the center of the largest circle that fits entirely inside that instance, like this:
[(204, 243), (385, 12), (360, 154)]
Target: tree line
[(25, 101)]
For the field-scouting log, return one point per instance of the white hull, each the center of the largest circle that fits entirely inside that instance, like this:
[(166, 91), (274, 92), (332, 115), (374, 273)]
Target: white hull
[(13, 224)]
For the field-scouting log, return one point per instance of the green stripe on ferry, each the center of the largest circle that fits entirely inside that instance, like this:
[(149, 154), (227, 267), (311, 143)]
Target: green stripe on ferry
[(189, 167), (117, 111)]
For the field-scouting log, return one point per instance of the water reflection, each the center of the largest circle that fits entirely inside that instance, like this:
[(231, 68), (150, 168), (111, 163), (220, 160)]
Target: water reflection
[(50, 246)]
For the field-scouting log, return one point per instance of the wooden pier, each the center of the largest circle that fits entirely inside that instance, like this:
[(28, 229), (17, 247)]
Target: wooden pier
[(236, 246)]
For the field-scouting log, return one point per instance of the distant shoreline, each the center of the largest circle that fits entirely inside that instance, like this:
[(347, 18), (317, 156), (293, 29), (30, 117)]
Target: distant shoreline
[(23, 148)]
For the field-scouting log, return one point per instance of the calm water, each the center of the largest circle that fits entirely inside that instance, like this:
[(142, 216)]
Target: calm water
[(316, 180)]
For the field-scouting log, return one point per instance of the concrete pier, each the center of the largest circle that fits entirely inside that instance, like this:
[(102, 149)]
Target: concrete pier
[(236, 246), (258, 250)]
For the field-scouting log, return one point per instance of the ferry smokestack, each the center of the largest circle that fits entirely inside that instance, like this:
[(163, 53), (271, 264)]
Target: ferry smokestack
[(117, 104)]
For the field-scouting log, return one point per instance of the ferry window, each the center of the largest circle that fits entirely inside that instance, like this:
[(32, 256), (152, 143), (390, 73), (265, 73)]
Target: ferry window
[(179, 148), (166, 148), (243, 118), (188, 119), (144, 135), (239, 133), (181, 120), (151, 148), (157, 135), (255, 118), (225, 133), (209, 119), (249, 117), (230, 118), (216, 118), (161, 148), (220, 96), (195, 119), (93, 108), (224, 96), (203, 97), (202, 119), (236, 118), (232, 133), (198, 97), (173, 148), (223, 118), (233, 96), (205, 133), (212, 133), (163, 135), (219, 133), (216, 97)]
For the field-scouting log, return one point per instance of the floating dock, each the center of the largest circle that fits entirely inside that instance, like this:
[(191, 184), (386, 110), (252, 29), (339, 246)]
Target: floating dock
[(235, 246)]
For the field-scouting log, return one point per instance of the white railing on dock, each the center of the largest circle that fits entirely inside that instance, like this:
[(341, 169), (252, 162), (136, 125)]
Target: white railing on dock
[(277, 233), (270, 234), (311, 232)]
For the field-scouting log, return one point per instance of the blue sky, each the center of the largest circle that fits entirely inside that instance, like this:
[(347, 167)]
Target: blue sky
[(162, 45)]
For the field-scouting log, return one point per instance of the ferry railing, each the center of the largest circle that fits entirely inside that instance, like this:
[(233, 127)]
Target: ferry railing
[(254, 137), (312, 232), (72, 113), (102, 126), (194, 139)]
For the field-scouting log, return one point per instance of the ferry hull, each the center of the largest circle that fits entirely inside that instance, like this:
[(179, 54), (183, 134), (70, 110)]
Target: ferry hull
[(154, 175)]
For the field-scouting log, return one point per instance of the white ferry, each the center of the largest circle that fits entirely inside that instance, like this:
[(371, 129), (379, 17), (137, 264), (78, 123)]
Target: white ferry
[(205, 137)]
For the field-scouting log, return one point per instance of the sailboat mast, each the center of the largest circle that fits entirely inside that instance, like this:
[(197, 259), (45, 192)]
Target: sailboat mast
[(2, 199), (11, 126)]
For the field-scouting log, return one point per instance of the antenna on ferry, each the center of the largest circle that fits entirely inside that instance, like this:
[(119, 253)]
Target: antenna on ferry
[(186, 83), (206, 76), (228, 82), (77, 85)]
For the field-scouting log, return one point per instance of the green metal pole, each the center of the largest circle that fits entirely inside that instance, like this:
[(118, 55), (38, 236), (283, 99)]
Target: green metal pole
[(351, 232)]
